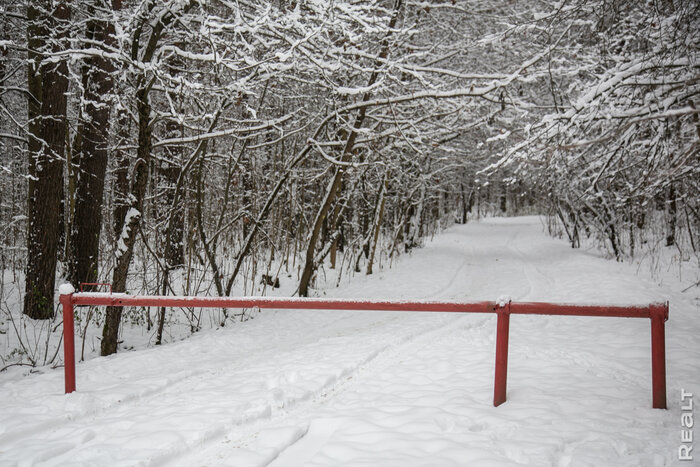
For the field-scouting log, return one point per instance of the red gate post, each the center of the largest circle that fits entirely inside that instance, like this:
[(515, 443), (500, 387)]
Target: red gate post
[(658, 315), (502, 327), (66, 296)]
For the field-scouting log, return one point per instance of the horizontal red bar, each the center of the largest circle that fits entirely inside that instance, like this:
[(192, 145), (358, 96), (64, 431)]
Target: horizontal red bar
[(350, 304), (620, 311), (281, 303)]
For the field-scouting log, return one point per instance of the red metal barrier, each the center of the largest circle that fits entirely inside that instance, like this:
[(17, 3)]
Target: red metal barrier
[(658, 313), (68, 341), (501, 372)]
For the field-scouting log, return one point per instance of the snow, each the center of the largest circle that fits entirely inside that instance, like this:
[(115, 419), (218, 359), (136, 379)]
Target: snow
[(121, 243), (65, 289), (342, 90), (503, 300), (326, 388), (500, 136)]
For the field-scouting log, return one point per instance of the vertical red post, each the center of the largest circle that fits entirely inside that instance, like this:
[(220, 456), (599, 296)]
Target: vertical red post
[(502, 327), (659, 314), (68, 337)]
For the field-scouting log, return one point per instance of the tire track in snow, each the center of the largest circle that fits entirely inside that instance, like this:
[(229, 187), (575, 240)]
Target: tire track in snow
[(453, 280), (584, 360), (96, 408), (530, 271), (312, 441), (242, 435), (83, 433), (347, 379), (293, 406)]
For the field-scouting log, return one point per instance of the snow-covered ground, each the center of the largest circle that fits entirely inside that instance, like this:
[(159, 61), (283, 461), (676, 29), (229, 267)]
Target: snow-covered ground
[(388, 388)]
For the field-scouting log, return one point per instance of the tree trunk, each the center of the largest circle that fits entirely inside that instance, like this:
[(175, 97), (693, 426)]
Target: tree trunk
[(130, 224), (612, 236), (169, 174), (131, 221), (43, 231), (174, 251), (377, 223), (503, 199), (334, 186), (121, 179), (671, 214), (334, 226), (161, 310), (415, 223), (36, 36), (318, 222), (465, 210), (94, 135)]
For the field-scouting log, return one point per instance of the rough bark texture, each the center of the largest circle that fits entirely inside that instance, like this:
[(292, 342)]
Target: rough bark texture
[(93, 156), (36, 31), (44, 226)]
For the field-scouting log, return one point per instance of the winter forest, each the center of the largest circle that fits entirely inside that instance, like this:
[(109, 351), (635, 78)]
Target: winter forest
[(214, 147), (495, 154)]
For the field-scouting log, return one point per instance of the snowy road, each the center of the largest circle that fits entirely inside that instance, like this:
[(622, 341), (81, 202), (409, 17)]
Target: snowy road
[(370, 388)]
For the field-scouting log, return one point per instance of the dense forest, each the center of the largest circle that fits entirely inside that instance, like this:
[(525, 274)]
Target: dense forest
[(216, 147)]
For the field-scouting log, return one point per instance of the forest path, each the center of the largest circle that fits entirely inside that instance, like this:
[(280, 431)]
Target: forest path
[(382, 388), (428, 401)]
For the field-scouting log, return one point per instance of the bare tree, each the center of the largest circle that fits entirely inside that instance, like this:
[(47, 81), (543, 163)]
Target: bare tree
[(43, 230)]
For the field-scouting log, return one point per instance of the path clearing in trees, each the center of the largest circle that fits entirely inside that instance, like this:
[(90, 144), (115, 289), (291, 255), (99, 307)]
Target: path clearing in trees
[(326, 388)]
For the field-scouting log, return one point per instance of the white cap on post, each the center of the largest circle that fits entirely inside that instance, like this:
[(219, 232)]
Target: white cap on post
[(503, 300), (65, 289)]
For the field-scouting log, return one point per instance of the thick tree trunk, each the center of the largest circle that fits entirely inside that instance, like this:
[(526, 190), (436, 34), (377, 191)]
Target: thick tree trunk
[(94, 134), (43, 231), (36, 32)]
